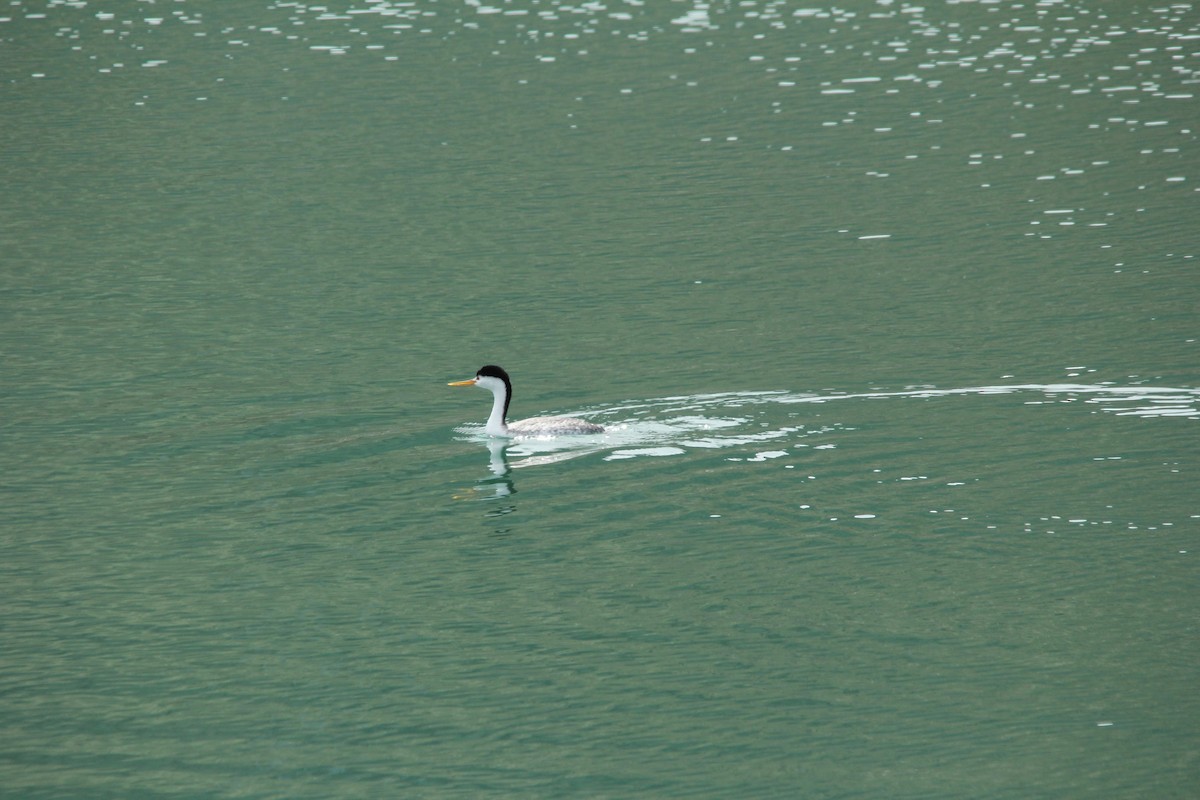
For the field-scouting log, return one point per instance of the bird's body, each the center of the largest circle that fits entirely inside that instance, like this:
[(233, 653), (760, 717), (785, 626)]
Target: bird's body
[(556, 426), (496, 380)]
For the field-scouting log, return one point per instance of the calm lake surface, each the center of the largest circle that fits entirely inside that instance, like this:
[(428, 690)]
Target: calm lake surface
[(890, 310)]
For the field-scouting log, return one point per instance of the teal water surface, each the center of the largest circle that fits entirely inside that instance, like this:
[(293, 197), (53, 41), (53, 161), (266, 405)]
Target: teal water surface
[(889, 311)]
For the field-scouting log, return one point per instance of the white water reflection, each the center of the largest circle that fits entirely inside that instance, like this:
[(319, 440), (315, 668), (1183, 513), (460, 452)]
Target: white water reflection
[(1122, 77)]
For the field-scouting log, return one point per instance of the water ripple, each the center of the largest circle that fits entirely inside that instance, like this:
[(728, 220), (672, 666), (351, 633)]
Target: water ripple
[(673, 426)]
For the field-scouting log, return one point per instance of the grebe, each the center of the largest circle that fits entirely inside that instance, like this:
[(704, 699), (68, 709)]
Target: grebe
[(496, 381)]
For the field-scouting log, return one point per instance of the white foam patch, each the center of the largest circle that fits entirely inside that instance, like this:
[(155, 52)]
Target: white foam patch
[(644, 451)]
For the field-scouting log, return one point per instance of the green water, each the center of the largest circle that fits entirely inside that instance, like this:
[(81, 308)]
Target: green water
[(891, 312)]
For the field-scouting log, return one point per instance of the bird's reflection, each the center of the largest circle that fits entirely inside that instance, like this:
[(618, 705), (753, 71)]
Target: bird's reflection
[(498, 485)]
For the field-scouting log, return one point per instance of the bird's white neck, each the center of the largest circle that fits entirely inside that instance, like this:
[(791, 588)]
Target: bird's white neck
[(495, 423)]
